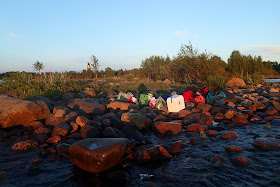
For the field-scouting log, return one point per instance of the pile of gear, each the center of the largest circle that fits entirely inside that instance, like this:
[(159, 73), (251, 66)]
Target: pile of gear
[(176, 102)]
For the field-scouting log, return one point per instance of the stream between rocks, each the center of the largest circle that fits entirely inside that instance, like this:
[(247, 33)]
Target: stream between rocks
[(192, 167)]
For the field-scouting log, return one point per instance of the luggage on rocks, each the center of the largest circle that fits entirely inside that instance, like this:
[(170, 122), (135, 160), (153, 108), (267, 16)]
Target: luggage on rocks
[(175, 103), (216, 96), (160, 102), (188, 95), (198, 98), (143, 100)]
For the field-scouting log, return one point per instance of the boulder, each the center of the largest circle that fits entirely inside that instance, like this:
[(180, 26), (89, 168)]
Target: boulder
[(89, 131), (212, 133), (236, 82), (173, 127), (20, 112), (241, 161), (229, 114), (81, 121), (87, 107), (219, 161), (240, 118), (204, 107), (61, 129), (176, 147), (196, 127), (276, 104), (271, 111), (122, 105), (267, 143), (150, 152), (96, 155), (228, 135), (136, 119), (184, 113)]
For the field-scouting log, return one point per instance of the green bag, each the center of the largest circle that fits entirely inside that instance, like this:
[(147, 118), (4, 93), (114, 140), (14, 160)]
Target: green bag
[(143, 100)]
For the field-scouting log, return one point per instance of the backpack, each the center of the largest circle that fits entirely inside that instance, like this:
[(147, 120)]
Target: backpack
[(188, 95), (199, 99), (203, 91)]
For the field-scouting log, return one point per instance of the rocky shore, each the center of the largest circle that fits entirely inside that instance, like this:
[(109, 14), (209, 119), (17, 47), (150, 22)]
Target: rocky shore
[(99, 133)]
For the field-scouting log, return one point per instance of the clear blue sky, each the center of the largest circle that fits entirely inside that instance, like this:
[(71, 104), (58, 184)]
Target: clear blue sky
[(64, 33)]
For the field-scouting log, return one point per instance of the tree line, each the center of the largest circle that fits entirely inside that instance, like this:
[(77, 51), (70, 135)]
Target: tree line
[(189, 65)]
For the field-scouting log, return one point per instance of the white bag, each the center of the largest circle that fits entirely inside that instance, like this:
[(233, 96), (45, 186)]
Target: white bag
[(175, 103)]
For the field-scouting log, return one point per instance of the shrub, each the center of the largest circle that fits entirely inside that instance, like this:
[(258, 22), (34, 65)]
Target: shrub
[(214, 81)]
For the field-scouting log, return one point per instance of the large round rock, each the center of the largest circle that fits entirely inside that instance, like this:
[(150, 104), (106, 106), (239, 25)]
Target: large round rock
[(98, 154)]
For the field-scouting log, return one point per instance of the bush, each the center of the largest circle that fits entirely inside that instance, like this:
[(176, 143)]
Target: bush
[(214, 81)]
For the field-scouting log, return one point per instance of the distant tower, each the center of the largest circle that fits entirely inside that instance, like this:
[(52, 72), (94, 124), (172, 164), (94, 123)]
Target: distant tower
[(88, 66)]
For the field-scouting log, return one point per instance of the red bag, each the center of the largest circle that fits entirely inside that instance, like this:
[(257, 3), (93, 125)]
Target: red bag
[(188, 95), (203, 91), (199, 99)]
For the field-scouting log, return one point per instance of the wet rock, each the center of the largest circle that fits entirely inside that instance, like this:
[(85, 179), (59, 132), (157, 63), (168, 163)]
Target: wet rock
[(63, 150), (54, 139), (165, 128), (81, 121), (248, 112), (240, 118), (267, 143), (89, 131), (271, 118), (219, 161), (43, 130), (205, 120), (229, 135), (136, 119), (194, 141), (122, 105), (219, 116), (61, 129), (96, 155), (176, 147), (3, 175), (212, 133), (271, 111), (255, 118), (37, 161), (196, 128), (233, 149), (241, 161), (25, 145), (42, 138), (150, 152), (21, 112), (87, 107), (132, 133)]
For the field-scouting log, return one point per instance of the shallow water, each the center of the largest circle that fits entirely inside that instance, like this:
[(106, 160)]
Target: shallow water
[(271, 80), (191, 167)]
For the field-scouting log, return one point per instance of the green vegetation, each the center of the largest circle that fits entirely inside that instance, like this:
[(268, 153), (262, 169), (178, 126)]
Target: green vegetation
[(188, 68), (38, 66)]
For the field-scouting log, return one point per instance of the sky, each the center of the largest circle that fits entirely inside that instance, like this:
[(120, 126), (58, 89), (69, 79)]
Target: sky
[(63, 34)]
